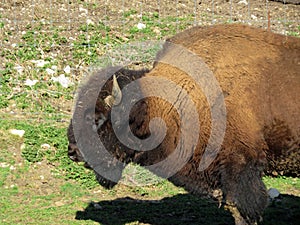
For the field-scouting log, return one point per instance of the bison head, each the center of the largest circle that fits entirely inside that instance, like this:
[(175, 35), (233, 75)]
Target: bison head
[(90, 133)]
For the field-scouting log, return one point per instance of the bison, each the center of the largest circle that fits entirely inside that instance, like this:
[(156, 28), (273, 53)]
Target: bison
[(258, 75)]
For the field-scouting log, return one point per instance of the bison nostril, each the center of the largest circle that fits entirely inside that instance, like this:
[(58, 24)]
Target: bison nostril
[(86, 165), (72, 152), (72, 156)]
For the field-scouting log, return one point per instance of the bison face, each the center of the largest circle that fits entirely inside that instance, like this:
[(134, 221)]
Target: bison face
[(94, 118)]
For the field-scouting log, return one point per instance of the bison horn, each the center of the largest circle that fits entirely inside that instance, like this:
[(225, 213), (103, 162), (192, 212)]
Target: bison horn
[(116, 95)]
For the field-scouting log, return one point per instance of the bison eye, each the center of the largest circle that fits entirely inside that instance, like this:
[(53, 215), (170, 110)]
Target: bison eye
[(89, 115), (101, 121)]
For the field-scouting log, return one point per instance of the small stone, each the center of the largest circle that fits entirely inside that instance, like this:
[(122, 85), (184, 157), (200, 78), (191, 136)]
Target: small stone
[(96, 205), (253, 17), (19, 69), (45, 146), (19, 133), (63, 80), (243, 2), (22, 146), (4, 165), (40, 63), (141, 26), (273, 193), (12, 168), (59, 203), (30, 83), (50, 71), (83, 10), (54, 68), (67, 69), (90, 22)]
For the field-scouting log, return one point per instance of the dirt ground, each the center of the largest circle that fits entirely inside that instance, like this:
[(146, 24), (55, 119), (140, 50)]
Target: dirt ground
[(283, 17)]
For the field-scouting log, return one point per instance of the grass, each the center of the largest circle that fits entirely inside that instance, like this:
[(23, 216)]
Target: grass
[(38, 183), (294, 33), (283, 184)]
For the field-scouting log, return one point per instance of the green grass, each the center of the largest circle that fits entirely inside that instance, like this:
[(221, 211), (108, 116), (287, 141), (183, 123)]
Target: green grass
[(55, 136), (294, 33), (282, 183)]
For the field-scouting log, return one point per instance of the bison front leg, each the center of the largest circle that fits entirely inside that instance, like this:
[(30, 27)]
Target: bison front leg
[(238, 219), (244, 191)]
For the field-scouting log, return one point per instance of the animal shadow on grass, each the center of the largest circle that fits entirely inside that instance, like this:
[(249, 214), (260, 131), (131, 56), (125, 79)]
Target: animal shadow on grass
[(183, 209)]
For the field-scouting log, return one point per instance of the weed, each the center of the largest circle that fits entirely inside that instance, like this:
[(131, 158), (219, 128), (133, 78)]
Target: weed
[(130, 13)]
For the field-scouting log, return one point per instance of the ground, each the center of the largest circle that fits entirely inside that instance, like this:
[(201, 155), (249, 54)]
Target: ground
[(38, 184)]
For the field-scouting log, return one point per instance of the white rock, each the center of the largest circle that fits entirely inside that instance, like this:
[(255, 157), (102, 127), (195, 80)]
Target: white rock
[(4, 165), (22, 146), (54, 68), (63, 80), (141, 26), (96, 205), (40, 63), (45, 146), (50, 71), (12, 168), (90, 22), (273, 193), (20, 133), (19, 69), (30, 83), (243, 2), (67, 69), (253, 17), (83, 10)]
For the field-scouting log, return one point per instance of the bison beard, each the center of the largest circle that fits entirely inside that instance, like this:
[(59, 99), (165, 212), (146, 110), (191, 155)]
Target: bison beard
[(263, 120)]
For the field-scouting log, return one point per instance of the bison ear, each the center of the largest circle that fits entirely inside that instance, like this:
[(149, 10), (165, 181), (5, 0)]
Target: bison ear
[(116, 95)]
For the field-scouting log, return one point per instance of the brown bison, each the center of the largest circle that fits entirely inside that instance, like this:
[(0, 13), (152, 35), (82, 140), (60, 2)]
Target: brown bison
[(258, 75)]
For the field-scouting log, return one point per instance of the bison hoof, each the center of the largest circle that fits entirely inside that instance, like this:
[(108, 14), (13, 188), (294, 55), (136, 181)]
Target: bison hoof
[(238, 219)]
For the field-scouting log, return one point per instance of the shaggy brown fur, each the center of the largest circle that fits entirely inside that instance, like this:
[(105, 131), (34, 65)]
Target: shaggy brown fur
[(258, 72)]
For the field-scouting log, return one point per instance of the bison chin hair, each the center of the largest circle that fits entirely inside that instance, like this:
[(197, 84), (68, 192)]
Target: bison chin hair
[(107, 184)]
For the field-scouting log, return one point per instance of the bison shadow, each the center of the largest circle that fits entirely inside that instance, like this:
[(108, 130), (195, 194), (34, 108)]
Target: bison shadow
[(182, 209)]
